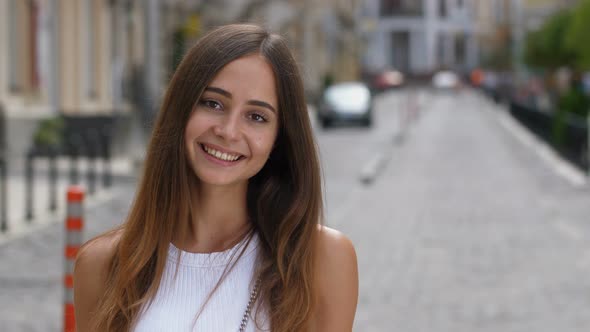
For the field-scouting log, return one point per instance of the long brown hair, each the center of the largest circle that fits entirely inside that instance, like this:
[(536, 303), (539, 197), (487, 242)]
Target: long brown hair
[(284, 199)]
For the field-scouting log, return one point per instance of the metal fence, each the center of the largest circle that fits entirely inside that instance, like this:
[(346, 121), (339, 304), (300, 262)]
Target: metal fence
[(568, 135), (88, 137)]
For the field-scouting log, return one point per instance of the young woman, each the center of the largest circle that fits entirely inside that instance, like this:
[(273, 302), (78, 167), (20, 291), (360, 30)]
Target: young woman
[(225, 232)]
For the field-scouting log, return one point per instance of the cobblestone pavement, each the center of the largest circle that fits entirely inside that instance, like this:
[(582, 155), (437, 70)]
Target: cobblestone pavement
[(31, 269), (464, 230), (467, 231)]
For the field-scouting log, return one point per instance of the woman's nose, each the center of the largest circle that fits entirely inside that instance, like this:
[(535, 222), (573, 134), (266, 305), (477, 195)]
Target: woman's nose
[(228, 128)]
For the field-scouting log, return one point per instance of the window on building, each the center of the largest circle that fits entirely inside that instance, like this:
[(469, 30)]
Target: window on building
[(401, 7), (460, 49), (91, 50), (442, 8), (34, 51), (23, 55), (500, 12), (400, 50), (440, 51), (14, 48), (459, 3)]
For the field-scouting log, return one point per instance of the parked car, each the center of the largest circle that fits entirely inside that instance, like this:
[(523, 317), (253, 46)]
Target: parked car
[(350, 101), (387, 79), (446, 80)]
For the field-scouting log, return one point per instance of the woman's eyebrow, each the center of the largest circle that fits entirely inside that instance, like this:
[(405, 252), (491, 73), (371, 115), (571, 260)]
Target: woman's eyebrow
[(261, 104), (250, 102), (218, 90)]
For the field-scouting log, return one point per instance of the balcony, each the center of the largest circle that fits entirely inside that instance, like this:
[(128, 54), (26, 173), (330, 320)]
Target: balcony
[(393, 8)]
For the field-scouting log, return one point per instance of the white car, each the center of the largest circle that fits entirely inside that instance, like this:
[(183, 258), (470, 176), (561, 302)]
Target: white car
[(350, 101), (446, 80)]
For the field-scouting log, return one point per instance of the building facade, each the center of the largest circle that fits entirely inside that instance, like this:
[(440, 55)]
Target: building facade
[(420, 36), (71, 57), (92, 57)]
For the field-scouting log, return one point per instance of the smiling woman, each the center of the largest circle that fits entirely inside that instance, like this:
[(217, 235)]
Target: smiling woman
[(225, 232), (231, 132)]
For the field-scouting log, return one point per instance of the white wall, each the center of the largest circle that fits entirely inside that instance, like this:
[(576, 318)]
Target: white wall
[(424, 32)]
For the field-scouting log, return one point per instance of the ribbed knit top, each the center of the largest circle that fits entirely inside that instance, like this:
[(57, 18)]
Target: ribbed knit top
[(179, 299)]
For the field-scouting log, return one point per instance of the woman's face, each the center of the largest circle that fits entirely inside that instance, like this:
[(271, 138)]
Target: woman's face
[(233, 127)]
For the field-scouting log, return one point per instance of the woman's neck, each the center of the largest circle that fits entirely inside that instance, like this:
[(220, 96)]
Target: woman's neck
[(219, 219)]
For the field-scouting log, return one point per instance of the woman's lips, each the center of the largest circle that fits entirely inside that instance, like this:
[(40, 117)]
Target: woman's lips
[(220, 157)]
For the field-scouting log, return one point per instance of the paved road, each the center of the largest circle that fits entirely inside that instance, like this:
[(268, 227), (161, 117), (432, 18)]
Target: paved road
[(463, 229), (468, 231)]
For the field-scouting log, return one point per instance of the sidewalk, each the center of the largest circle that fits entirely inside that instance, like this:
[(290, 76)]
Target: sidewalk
[(122, 169), (31, 269)]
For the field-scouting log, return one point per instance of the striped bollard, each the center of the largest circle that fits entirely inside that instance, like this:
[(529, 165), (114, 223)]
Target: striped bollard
[(74, 226)]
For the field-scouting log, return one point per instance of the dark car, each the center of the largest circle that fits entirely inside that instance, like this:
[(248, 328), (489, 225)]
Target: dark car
[(350, 101)]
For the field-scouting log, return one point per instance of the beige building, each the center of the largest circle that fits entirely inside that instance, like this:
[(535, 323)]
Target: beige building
[(89, 57), (322, 33), (502, 25), (65, 57), (422, 36)]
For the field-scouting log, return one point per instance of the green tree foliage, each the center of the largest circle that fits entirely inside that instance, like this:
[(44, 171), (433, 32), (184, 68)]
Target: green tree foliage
[(499, 59), (563, 41), (575, 102), (49, 133), (546, 47), (577, 37)]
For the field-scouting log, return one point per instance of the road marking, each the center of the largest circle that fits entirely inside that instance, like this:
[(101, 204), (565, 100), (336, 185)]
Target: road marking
[(560, 166), (568, 229), (373, 167)]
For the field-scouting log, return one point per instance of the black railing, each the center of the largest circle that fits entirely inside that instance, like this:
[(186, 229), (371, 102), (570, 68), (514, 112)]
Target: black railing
[(567, 135), (3, 173), (88, 137)]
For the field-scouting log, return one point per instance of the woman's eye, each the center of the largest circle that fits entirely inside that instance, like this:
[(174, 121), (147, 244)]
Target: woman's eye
[(211, 104), (257, 117)]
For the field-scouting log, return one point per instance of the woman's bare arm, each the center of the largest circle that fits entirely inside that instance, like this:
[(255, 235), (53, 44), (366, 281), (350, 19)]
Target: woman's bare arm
[(336, 282), (90, 275)]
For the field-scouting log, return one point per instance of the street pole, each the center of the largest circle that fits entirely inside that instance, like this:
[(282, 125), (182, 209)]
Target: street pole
[(3, 196), (29, 181), (3, 174), (152, 56), (588, 144), (53, 68), (517, 34), (309, 67), (52, 179)]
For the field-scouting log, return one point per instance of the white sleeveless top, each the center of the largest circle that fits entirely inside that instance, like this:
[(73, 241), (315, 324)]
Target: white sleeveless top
[(178, 300)]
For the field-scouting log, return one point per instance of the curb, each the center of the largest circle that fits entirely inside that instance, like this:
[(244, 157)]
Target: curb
[(556, 163)]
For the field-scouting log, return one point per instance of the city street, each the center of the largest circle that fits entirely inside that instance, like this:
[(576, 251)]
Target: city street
[(458, 226)]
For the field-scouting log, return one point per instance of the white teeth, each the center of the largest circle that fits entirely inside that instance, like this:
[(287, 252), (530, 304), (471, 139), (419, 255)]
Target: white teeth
[(221, 155)]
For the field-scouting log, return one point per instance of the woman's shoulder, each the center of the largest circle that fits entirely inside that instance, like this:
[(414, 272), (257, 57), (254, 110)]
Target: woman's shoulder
[(97, 253), (334, 245), (336, 281), (91, 273)]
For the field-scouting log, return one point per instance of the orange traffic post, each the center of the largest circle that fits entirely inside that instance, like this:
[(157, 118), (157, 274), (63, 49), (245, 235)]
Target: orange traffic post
[(74, 227)]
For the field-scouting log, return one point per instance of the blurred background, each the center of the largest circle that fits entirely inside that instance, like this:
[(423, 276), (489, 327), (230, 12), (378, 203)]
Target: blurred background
[(454, 140)]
